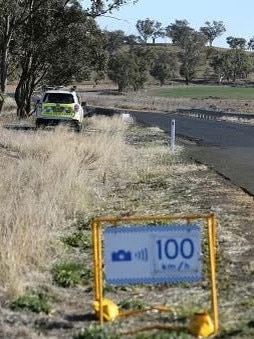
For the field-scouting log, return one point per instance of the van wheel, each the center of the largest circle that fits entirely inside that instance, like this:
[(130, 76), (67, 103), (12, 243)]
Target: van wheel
[(79, 128), (39, 124)]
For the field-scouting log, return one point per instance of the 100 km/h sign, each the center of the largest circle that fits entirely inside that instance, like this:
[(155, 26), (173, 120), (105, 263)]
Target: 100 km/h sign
[(152, 254)]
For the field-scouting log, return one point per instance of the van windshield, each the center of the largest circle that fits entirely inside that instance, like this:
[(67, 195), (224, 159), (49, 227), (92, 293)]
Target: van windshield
[(59, 98)]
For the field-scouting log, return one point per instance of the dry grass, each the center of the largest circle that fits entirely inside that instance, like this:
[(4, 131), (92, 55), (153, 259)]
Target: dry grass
[(138, 101), (9, 104), (50, 177), (46, 179)]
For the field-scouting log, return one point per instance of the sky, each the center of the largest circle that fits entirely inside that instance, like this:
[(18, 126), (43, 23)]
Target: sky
[(237, 16)]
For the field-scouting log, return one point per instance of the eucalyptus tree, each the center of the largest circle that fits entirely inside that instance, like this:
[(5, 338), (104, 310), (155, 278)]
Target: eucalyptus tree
[(114, 40), (33, 25), (143, 57), (149, 29), (191, 55), (232, 64), (158, 31), (145, 29), (191, 44), (102, 7), (131, 39), (121, 68), (164, 65), (212, 30), (250, 44), (236, 43), (129, 69), (61, 43), (221, 64), (239, 62), (178, 30), (13, 15)]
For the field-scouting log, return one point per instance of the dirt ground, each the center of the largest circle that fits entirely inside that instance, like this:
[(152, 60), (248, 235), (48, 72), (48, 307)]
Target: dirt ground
[(191, 188)]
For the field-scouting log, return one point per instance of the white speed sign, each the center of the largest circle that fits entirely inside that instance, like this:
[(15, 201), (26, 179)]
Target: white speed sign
[(152, 254)]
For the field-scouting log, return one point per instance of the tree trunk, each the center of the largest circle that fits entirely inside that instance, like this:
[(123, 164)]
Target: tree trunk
[(4, 57), (3, 68), (121, 86), (20, 99), (1, 103), (25, 88), (23, 94), (220, 78)]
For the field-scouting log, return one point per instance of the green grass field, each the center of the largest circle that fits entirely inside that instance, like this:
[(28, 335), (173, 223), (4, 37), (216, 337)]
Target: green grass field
[(205, 92)]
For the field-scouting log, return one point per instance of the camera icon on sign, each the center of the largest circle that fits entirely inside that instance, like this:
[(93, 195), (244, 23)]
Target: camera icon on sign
[(121, 255)]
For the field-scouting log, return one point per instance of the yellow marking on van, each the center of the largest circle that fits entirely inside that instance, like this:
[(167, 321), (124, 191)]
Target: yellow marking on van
[(63, 110)]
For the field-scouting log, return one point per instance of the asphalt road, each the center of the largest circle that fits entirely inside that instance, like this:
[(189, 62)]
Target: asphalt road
[(226, 147)]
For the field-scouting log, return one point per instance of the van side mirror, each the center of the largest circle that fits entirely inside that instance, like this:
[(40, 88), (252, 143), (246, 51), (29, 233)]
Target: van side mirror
[(83, 103)]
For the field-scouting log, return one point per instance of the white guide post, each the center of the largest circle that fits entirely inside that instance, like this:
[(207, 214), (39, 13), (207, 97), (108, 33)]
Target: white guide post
[(173, 134)]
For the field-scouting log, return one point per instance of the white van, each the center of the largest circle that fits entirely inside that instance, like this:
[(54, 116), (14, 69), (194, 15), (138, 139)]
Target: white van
[(59, 106)]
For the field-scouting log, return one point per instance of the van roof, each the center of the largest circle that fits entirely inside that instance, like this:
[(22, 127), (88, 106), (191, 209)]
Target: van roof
[(59, 91)]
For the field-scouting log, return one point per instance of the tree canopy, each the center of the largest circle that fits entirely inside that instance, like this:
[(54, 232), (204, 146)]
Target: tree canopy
[(192, 47), (232, 64), (213, 30), (178, 30), (235, 42), (164, 66), (149, 29), (130, 68), (102, 7)]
